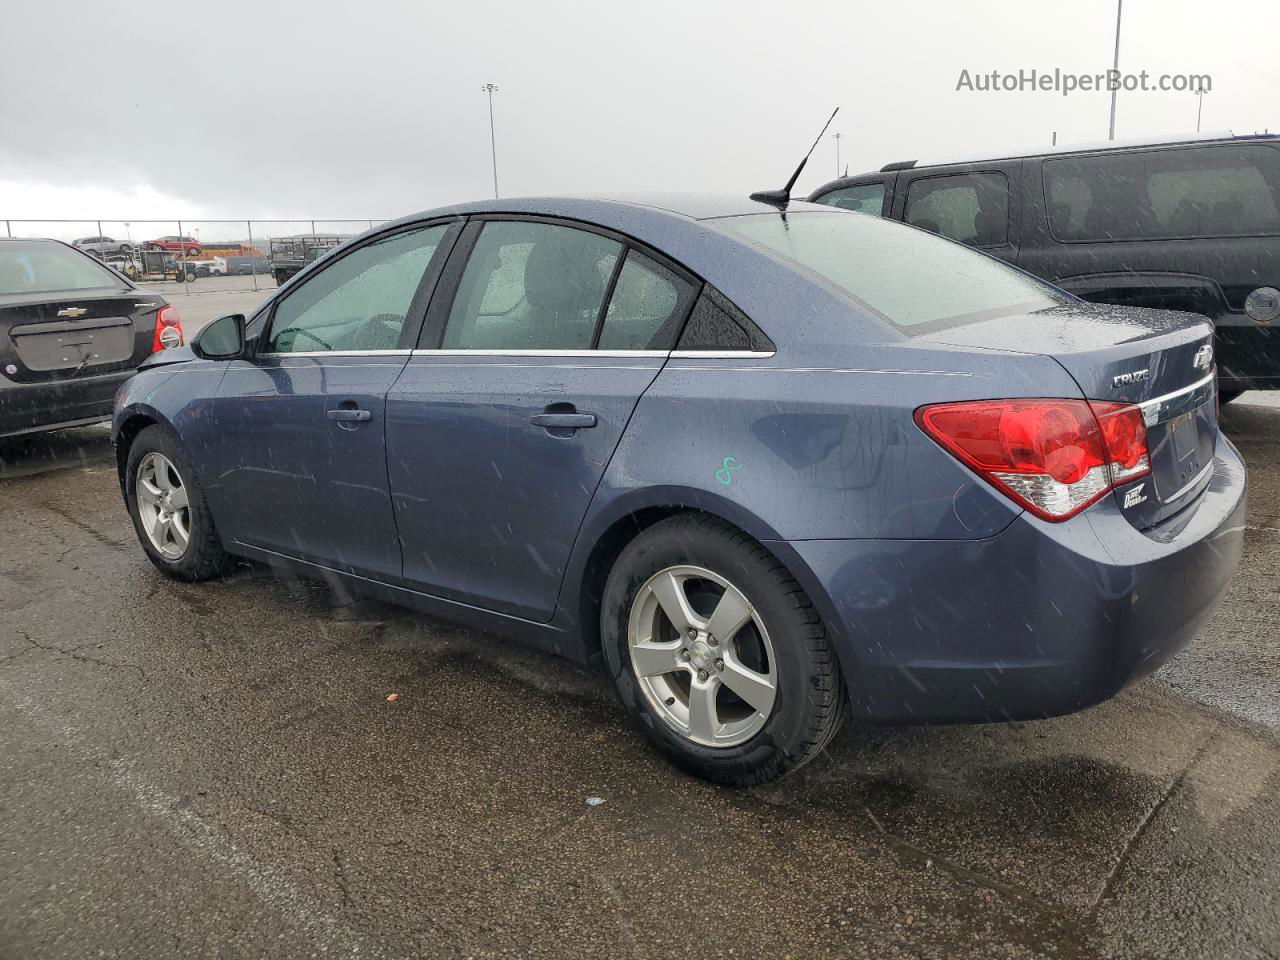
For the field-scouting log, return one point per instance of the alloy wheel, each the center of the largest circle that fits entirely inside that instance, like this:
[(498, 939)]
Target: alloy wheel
[(163, 507), (702, 656)]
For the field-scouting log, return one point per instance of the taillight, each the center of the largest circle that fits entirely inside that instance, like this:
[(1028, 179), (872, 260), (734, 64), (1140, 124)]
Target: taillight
[(168, 329), (1054, 457)]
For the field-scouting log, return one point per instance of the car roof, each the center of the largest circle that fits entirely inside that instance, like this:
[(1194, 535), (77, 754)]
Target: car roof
[(1104, 146), (692, 230), (692, 206)]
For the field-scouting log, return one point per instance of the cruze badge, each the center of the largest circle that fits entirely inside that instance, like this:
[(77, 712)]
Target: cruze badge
[(1204, 357), (1137, 376)]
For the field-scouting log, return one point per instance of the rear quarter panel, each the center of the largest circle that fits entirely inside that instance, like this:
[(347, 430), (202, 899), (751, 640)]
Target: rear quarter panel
[(790, 450)]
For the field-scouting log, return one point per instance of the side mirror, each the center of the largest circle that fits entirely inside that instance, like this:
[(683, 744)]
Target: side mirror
[(223, 339)]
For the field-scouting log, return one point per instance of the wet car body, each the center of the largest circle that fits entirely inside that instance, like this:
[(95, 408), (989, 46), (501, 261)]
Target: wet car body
[(946, 601), (64, 353)]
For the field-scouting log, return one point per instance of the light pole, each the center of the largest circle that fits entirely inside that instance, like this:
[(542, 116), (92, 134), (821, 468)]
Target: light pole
[(837, 137), (491, 89), (1115, 70), (1199, 92)]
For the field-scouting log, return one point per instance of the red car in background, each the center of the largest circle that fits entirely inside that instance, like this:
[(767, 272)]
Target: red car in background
[(188, 245)]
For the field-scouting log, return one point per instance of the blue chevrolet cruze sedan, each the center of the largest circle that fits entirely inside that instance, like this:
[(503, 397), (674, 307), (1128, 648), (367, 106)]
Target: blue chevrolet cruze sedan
[(771, 464)]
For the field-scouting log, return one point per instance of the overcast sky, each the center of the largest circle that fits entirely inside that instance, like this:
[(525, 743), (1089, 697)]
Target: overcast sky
[(373, 109)]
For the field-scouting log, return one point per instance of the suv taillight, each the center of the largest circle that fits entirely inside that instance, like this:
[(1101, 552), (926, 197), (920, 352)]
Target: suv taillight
[(1054, 457), (168, 329)]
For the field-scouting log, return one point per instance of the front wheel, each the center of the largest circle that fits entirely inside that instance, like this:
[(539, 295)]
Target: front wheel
[(168, 509), (718, 653)]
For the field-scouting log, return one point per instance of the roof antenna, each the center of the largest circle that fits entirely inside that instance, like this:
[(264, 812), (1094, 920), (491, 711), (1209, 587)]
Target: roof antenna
[(846, 169), (782, 197)]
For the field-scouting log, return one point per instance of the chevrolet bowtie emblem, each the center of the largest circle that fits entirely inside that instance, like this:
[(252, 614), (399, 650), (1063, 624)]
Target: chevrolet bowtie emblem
[(72, 312)]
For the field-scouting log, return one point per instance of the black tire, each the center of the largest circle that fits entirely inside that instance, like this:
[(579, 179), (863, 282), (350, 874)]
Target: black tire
[(1225, 396), (204, 557), (810, 700)]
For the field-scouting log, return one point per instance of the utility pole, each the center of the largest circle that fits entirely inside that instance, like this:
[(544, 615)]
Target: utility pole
[(837, 137), (491, 89), (1200, 92), (1111, 133)]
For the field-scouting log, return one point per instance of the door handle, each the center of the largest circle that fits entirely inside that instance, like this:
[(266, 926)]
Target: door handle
[(348, 415), (563, 421)]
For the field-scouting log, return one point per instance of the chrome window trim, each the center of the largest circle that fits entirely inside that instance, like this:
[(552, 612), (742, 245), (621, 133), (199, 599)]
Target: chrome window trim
[(451, 352), (338, 353), (1153, 408), (674, 354), (721, 354)]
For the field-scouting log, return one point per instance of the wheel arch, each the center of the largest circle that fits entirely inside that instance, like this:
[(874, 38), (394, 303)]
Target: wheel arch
[(127, 426), (607, 534)]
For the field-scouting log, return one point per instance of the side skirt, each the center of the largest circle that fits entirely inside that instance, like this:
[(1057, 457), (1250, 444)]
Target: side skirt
[(542, 636)]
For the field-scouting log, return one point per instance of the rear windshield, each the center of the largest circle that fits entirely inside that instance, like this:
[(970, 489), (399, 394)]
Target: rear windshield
[(1218, 191), (917, 281), (50, 268)]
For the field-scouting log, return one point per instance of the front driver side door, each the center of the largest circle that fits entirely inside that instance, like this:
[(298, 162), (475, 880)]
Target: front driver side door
[(300, 458)]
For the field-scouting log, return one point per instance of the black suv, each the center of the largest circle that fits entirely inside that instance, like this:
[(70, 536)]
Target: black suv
[(1189, 224)]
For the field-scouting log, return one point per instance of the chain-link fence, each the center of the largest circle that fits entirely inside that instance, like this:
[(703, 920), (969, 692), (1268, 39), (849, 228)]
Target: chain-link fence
[(204, 255)]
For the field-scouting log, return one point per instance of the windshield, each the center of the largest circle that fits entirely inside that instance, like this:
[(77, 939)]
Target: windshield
[(45, 267), (913, 279)]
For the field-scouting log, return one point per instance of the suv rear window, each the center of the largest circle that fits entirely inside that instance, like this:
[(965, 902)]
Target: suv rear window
[(47, 267), (970, 207), (916, 281), (862, 198), (1219, 191)]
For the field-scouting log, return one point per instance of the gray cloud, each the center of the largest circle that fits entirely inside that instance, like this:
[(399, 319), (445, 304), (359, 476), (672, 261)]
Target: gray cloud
[(374, 109)]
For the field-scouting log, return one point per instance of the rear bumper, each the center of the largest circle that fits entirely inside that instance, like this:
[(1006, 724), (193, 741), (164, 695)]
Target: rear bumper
[(1040, 620), (26, 408)]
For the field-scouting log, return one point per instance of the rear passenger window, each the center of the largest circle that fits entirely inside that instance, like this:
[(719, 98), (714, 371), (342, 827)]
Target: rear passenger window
[(531, 286), (1216, 191), (864, 198), (970, 207), (648, 300)]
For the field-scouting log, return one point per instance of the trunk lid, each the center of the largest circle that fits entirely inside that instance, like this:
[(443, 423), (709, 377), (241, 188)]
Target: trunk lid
[(55, 336), (1161, 360)]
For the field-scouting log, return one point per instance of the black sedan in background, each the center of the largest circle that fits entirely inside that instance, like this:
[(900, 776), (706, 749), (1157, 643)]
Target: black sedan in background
[(71, 331)]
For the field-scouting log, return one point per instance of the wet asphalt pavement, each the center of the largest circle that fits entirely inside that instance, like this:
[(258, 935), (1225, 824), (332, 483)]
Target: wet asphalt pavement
[(214, 771)]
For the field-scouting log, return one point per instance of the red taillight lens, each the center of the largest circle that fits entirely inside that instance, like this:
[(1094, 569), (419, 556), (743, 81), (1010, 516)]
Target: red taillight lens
[(1054, 457), (1124, 431), (168, 329)]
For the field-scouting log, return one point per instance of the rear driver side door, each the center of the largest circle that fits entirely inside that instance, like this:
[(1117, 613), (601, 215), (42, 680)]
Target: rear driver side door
[(540, 342)]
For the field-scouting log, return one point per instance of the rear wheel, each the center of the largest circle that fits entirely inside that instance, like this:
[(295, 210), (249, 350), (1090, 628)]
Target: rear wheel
[(168, 509), (718, 653)]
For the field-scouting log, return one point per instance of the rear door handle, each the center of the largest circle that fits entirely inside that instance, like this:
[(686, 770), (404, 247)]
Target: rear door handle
[(349, 415), (565, 421)]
